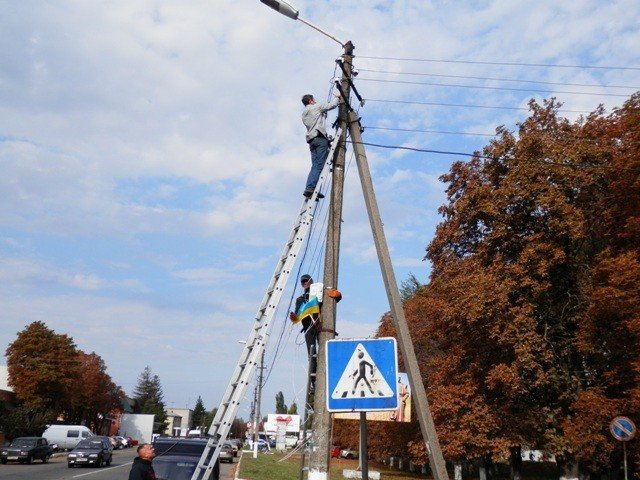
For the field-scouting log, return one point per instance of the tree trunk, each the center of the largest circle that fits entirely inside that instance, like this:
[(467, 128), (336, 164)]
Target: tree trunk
[(482, 472), (457, 469), (516, 463), (570, 471)]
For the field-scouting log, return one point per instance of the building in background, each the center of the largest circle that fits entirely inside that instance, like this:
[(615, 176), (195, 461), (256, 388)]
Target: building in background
[(178, 421), (7, 397)]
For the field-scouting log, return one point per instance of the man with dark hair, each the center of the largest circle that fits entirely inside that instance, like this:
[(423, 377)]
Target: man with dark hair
[(141, 468), (314, 117)]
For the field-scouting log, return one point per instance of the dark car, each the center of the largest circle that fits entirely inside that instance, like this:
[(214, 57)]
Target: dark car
[(96, 451), (26, 450), (177, 458)]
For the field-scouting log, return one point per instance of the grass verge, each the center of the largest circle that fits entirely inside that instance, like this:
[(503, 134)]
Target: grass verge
[(269, 467)]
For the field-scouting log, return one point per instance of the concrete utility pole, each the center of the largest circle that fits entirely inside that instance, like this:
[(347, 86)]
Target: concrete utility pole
[(321, 451), (436, 460), (257, 419)]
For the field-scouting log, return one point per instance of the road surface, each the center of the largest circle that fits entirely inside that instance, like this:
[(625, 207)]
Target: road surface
[(57, 469)]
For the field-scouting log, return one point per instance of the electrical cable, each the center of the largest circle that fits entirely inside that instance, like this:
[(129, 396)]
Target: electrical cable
[(484, 157), (445, 132), (509, 64), (438, 104), (499, 79), (484, 87)]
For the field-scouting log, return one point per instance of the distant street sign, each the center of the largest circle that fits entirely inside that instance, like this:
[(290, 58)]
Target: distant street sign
[(362, 375), (622, 428)]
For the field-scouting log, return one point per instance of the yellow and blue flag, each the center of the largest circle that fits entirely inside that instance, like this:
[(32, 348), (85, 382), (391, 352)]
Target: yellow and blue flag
[(309, 308)]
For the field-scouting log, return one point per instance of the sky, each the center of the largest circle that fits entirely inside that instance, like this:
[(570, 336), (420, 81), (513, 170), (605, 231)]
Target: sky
[(153, 158)]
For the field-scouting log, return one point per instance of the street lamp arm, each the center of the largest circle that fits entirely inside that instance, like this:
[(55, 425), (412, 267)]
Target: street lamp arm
[(320, 30)]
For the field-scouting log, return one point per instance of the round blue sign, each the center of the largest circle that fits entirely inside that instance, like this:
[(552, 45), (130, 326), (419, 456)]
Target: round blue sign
[(622, 428)]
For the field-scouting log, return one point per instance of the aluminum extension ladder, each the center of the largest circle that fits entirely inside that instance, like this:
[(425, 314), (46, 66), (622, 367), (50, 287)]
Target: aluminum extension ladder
[(260, 331)]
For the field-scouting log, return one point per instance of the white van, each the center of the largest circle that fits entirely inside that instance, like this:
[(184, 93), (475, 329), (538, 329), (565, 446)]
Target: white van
[(66, 436)]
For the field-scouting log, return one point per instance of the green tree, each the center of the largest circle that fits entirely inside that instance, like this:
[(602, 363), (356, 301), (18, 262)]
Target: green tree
[(293, 409), (208, 418), (409, 287), (199, 414), (281, 407), (24, 421), (148, 393)]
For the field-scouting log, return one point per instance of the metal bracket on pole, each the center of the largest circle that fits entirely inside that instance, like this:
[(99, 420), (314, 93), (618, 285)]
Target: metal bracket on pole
[(343, 94), (353, 87)]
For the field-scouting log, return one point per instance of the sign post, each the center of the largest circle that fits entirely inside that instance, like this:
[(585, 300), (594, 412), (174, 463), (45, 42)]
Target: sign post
[(361, 377), (623, 429)]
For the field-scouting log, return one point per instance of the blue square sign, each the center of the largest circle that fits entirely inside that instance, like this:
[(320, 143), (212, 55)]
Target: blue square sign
[(362, 375)]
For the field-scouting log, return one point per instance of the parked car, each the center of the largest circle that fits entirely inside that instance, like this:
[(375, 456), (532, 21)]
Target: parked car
[(92, 451), (348, 453), (177, 458), (226, 453), (233, 446), (26, 450), (66, 436), (123, 441), (115, 443), (335, 451), (131, 442)]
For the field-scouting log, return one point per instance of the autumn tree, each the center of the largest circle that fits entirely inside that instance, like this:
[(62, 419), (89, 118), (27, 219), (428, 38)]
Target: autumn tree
[(98, 396), (527, 332), (524, 232), (148, 393), (44, 368)]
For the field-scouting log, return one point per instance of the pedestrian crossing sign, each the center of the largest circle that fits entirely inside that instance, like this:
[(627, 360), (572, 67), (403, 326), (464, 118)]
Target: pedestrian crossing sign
[(362, 375)]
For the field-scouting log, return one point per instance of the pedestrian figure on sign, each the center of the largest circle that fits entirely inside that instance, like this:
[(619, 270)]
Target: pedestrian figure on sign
[(362, 375)]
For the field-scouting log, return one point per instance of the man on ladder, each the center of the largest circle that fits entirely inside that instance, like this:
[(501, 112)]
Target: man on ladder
[(308, 312), (314, 117)]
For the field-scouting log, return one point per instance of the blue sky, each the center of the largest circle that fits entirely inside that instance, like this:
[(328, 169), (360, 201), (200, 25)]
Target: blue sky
[(153, 158)]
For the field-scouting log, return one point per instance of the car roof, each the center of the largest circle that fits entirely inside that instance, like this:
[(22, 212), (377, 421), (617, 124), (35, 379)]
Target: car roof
[(180, 440)]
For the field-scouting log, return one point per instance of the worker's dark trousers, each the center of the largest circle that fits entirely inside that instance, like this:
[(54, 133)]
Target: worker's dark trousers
[(311, 339)]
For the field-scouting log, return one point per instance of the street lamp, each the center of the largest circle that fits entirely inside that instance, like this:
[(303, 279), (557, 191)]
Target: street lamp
[(288, 11)]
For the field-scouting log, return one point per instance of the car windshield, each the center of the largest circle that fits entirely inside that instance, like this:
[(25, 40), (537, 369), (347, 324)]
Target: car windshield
[(89, 445), (23, 442), (167, 468)]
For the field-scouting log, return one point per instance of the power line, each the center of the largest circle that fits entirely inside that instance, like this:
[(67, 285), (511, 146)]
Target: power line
[(484, 87), (499, 79), (510, 64), (438, 104), (484, 157), (444, 132)]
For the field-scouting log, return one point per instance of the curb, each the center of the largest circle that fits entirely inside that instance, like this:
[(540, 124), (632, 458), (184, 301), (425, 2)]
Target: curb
[(235, 476)]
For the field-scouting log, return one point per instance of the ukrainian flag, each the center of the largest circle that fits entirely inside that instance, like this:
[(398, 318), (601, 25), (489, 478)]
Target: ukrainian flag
[(309, 308)]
